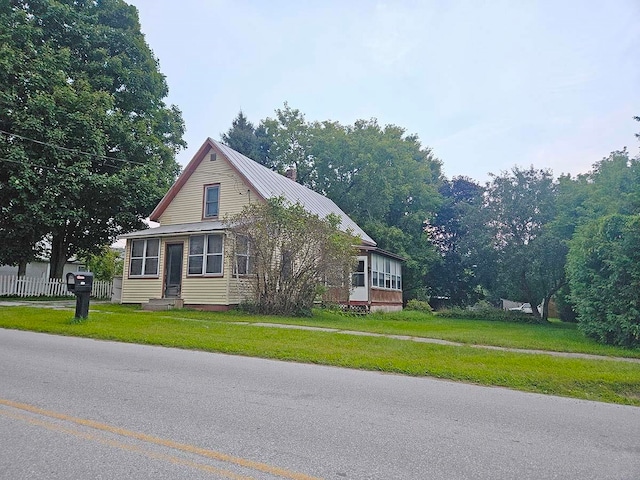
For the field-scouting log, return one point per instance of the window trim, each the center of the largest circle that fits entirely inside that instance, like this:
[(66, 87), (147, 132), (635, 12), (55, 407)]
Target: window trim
[(205, 203), (144, 259), (205, 256)]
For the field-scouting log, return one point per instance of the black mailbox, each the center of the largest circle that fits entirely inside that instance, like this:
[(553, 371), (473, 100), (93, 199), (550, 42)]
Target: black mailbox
[(80, 282)]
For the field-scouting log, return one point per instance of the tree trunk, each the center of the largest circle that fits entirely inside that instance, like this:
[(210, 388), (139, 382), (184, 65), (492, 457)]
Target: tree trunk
[(59, 255), (22, 268), (530, 298)]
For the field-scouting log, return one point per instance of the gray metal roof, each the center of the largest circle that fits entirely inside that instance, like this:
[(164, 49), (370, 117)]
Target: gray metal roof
[(186, 228), (271, 184)]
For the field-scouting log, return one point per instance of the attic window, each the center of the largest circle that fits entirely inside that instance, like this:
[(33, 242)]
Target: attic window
[(211, 201)]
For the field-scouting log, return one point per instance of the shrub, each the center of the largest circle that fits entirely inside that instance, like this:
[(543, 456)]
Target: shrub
[(603, 268), (419, 306), (487, 313)]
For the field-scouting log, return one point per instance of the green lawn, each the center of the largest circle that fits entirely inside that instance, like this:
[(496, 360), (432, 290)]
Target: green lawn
[(602, 380), (556, 336)]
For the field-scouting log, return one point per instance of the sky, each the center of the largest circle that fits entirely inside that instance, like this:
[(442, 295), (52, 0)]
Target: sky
[(486, 85)]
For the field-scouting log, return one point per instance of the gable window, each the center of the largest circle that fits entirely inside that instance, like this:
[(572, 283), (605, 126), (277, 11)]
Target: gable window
[(205, 254), (211, 201), (144, 257), (244, 262), (386, 272)]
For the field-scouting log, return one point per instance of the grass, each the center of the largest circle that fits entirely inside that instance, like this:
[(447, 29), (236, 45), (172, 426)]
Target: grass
[(556, 336), (601, 380)]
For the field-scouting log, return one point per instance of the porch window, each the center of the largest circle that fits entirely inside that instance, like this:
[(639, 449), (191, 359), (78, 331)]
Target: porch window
[(244, 261), (144, 257), (386, 272), (205, 255), (211, 201)]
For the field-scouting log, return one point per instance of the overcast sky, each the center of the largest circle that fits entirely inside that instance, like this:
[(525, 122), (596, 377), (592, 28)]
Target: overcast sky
[(485, 84)]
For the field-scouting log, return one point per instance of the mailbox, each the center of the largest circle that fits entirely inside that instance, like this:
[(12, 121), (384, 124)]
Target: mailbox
[(80, 282)]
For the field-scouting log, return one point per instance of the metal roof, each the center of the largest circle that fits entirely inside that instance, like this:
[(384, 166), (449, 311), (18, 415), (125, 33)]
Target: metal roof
[(271, 184), (186, 228)]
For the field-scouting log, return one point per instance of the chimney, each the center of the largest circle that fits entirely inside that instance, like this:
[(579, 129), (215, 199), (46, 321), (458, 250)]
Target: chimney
[(291, 173)]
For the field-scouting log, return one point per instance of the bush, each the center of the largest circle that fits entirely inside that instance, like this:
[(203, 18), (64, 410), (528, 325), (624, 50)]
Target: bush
[(419, 306), (487, 313), (603, 267)]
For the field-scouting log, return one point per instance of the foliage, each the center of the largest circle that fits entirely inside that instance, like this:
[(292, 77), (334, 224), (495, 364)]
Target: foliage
[(295, 255), (380, 176), (418, 306), (244, 138), (530, 252), (459, 232), (604, 273), (487, 313), (91, 146), (104, 265)]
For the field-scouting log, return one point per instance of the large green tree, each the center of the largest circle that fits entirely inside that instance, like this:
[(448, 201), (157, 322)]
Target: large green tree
[(87, 144), (466, 267), (380, 176), (531, 254)]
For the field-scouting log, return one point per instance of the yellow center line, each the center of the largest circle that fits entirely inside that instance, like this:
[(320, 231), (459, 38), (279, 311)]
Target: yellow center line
[(123, 446), (222, 457)]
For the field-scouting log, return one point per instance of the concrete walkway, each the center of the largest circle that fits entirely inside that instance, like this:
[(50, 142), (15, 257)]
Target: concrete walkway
[(443, 342)]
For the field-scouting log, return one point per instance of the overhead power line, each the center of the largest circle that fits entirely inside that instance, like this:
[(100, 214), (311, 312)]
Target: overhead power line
[(70, 150)]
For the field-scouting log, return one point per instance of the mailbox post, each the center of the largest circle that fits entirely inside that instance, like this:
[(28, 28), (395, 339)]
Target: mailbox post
[(80, 284)]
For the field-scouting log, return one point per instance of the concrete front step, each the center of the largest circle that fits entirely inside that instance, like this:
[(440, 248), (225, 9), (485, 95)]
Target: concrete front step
[(163, 304)]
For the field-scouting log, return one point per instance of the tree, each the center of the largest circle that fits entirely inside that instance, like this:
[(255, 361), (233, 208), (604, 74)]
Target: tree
[(294, 254), (104, 265), (87, 144), (380, 176), (387, 182), (604, 274), (530, 253), (466, 266), (286, 142)]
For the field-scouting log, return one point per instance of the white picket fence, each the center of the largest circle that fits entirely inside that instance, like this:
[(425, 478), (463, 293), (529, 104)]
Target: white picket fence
[(12, 285)]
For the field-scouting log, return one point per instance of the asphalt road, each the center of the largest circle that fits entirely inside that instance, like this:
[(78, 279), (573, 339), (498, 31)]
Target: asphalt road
[(77, 409)]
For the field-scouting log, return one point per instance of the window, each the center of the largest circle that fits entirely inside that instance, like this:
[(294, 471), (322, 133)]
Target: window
[(205, 255), (244, 261), (357, 278), (386, 272), (211, 201), (144, 257)]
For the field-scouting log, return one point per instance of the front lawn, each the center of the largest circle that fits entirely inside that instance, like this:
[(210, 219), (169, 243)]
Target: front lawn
[(602, 380)]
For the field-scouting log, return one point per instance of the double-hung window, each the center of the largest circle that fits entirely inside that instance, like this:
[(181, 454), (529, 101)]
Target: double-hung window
[(205, 254), (144, 257), (211, 201), (244, 261)]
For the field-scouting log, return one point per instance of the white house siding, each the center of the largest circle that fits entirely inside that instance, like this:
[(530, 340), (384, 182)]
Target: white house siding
[(187, 205), (140, 290)]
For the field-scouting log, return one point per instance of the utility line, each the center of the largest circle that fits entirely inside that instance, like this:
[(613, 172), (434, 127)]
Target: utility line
[(70, 150), (48, 167)]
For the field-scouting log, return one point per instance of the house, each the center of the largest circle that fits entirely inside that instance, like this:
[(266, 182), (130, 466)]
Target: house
[(183, 260), (41, 268)]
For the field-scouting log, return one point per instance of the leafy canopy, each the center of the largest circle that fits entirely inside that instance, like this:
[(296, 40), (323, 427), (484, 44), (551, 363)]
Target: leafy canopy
[(87, 145)]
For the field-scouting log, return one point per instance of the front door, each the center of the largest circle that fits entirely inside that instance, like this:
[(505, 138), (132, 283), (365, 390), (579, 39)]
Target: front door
[(360, 282), (173, 271)]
